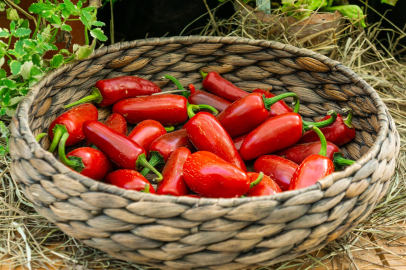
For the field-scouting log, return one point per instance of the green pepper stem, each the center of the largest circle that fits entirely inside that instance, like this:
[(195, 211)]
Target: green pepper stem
[(308, 125), (204, 74), (348, 120), (72, 162), (192, 108), (339, 161), (40, 136), (142, 162), (95, 95), (58, 131), (156, 158), (258, 180), (268, 102), (175, 81), (169, 129), (323, 149), (146, 189)]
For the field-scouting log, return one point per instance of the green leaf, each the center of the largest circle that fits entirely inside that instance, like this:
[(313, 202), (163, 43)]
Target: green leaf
[(15, 67), (21, 32), (86, 18), (353, 12), (11, 111), (29, 43), (36, 73), (83, 52), (6, 99), (25, 24), (26, 70), (2, 6), (65, 13), (98, 33), (9, 83), (24, 91), (16, 2), (64, 51), (97, 23), (47, 14), (56, 19), (4, 33), (19, 48), (12, 25), (32, 82), (79, 4), (12, 14), (3, 111), (390, 2), (38, 8), (37, 60), (15, 100), (69, 6), (56, 61), (3, 73), (66, 27)]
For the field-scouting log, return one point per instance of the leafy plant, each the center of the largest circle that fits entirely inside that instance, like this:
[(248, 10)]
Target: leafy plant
[(26, 56)]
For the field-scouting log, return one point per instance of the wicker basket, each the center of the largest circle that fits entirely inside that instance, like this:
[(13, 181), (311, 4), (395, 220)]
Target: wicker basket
[(182, 232)]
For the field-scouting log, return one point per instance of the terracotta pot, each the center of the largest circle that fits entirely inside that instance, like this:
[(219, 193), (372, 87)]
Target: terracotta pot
[(78, 36), (318, 28)]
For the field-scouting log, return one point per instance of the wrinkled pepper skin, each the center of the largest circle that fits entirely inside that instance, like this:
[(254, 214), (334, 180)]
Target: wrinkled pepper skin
[(300, 152), (311, 170), (169, 142), (109, 91), (244, 115), (146, 132), (201, 97), (266, 187), (207, 134), (73, 121), (275, 134), (221, 87), (278, 168), (120, 149), (212, 177), (167, 109), (278, 108), (238, 141), (130, 179), (338, 133), (96, 164), (116, 122), (173, 182)]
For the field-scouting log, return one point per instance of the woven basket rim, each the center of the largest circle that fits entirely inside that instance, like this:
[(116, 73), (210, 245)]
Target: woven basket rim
[(24, 107)]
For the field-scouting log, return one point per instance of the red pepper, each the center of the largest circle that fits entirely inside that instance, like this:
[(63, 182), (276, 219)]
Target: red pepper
[(238, 141), (116, 122), (168, 109), (71, 122), (130, 179), (109, 91), (276, 109), (278, 168), (212, 177), (339, 133), (124, 152), (87, 161), (277, 133), (198, 97), (173, 182), (207, 134), (247, 113), (266, 187), (300, 152), (313, 168), (221, 87), (146, 132)]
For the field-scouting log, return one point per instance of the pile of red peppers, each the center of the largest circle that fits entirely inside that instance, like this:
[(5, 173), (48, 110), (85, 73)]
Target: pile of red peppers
[(198, 143)]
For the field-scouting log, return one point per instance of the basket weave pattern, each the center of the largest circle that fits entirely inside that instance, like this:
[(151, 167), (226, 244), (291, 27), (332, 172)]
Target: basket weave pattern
[(183, 232)]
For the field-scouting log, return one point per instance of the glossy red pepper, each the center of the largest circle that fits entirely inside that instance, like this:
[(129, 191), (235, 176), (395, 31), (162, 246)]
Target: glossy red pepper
[(207, 134), (167, 109), (313, 168), (146, 132), (276, 109), (173, 182), (249, 112), (109, 91), (116, 122), (339, 133), (221, 87), (71, 122), (278, 168), (277, 133), (238, 141), (130, 179), (300, 152), (210, 176), (266, 187), (124, 152), (87, 161)]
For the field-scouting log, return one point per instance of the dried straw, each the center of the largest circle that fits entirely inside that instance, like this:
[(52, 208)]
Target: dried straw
[(29, 240)]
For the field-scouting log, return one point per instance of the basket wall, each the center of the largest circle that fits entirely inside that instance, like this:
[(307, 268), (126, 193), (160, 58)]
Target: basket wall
[(183, 232)]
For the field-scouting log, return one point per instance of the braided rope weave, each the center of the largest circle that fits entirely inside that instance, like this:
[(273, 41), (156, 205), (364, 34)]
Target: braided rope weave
[(182, 232)]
